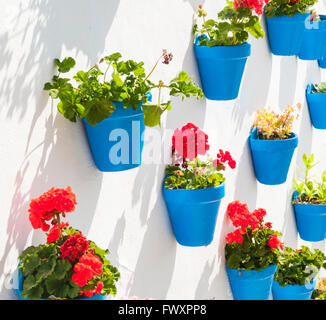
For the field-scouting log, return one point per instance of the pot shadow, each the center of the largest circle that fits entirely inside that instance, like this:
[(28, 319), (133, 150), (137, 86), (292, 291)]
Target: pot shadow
[(288, 80), (158, 252)]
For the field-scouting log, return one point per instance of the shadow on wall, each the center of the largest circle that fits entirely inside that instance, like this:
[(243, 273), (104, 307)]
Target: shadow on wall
[(52, 25), (158, 252)]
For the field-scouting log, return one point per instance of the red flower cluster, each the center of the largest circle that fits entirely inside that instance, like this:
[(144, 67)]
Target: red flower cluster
[(53, 201), (167, 57), (87, 268), (74, 247), (243, 218), (54, 232), (190, 141), (274, 242), (235, 236), (257, 5), (97, 290), (223, 158)]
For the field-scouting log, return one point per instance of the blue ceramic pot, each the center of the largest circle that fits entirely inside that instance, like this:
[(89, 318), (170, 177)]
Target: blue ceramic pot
[(193, 214), (311, 220), (20, 289), (251, 285), (314, 40), (293, 292), (221, 69), (271, 158), (117, 142), (317, 107), (285, 34)]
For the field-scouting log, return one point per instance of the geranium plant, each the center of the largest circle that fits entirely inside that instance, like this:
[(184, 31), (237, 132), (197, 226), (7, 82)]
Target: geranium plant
[(188, 171), (287, 7), (253, 245), (273, 126), (320, 292), (68, 265), (235, 22), (93, 95), (309, 190), (319, 88), (299, 266)]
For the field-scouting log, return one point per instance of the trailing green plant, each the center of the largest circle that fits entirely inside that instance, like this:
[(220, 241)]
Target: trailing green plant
[(187, 170), (310, 191), (93, 98), (253, 245), (287, 7), (273, 126), (68, 265), (299, 266), (320, 292), (233, 25), (319, 88)]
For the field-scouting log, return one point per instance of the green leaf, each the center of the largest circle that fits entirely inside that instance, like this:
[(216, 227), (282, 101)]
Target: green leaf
[(65, 65), (61, 268), (97, 111), (152, 115), (33, 294)]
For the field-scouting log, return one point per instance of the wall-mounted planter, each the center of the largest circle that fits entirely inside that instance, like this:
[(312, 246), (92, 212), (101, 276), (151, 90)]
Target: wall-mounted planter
[(314, 40), (20, 289), (193, 214), (117, 142), (251, 285), (317, 107), (271, 158), (285, 34), (311, 220), (293, 292), (221, 69)]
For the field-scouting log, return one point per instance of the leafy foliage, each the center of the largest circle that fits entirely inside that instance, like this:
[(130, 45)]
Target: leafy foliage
[(320, 292), (299, 266), (310, 191), (47, 275), (319, 88), (196, 174), (287, 7), (232, 27), (254, 253), (273, 126), (94, 97)]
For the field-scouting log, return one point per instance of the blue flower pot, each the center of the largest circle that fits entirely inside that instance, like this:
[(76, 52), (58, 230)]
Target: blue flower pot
[(193, 214), (272, 158), (314, 41), (293, 292), (117, 142), (311, 220), (252, 284), (285, 34), (20, 289), (317, 107), (221, 69), (322, 61)]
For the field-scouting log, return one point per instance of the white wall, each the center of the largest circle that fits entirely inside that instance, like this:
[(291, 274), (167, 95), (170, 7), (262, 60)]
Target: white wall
[(125, 211)]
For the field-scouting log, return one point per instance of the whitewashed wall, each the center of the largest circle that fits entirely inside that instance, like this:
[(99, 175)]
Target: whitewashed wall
[(125, 211)]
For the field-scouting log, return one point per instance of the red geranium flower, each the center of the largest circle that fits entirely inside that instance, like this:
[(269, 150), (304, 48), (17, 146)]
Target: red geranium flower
[(54, 201), (223, 158), (87, 268), (74, 247), (235, 236), (257, 5), (274, 242), (190, 141), (54, 232), (97, 290)]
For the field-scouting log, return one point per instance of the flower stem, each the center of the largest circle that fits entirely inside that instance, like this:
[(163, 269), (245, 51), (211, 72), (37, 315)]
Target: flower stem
[(154, 67), (57, 215)]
